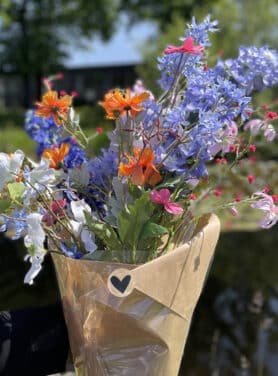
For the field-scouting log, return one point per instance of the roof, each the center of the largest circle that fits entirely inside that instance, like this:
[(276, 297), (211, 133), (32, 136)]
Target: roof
[(124, 48)]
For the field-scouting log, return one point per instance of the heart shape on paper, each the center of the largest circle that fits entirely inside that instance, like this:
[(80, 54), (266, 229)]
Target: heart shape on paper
[(120, 284)]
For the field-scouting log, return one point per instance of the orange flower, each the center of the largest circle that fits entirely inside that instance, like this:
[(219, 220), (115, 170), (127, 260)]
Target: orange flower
[(118, 102), (141, 168), (56, 155), (51, 105)]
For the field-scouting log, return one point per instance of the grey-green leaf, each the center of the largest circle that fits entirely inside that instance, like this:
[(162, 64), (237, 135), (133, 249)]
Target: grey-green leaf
[(153, 230)]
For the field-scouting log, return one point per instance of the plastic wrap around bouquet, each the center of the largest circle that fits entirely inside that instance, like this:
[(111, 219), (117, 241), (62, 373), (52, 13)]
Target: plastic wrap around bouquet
[(127, 319)]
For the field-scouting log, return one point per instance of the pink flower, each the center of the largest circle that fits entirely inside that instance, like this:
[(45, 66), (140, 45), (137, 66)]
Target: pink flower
[(58, 206), (251, 179), (217, 192), (271, 115), (57, 210), (192, 196), (163, 197), (233, 211), (188, 47), (252, 148), (267, 205)]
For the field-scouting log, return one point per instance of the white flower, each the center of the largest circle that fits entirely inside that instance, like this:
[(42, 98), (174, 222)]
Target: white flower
[(41, 174), (78, 208), (35, 234), (34, 241), (79, 224), (36, 265), (88, 238), (38, 179), (10, 167), (74, 118)]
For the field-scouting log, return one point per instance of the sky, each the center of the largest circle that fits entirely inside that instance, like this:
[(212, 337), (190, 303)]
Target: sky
[(123, 48)]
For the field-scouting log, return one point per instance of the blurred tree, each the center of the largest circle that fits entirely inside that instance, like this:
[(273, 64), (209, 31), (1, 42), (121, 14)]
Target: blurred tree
[(34, 33), (161, 11), (241, 23), (33, 42), (4, 6)]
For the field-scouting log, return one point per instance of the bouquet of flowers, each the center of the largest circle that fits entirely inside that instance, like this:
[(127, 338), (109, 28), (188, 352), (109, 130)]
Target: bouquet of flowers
[(130, 243)]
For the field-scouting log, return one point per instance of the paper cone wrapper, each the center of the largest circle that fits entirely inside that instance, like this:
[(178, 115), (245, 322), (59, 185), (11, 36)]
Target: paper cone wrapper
[(134, 319)]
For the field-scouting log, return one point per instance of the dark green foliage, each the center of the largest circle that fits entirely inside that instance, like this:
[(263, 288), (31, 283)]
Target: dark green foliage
[(161, 11), (32, 43)]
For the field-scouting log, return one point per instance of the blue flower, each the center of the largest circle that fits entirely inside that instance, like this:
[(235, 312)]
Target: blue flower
[(102, 169), (76, 156), (200, 32), (16, 224), (46, 133), (255, 68), (210, 102), (173, 64), (71, 250)]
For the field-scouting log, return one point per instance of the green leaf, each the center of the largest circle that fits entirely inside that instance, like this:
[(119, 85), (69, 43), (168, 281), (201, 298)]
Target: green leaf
[(105, 232), (170, 182), (16, 191), (153, 230), (95, 256), (132, 220), (4, 205)]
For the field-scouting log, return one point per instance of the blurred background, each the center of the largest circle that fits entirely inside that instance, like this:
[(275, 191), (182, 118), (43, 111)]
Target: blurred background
[(101, 44)]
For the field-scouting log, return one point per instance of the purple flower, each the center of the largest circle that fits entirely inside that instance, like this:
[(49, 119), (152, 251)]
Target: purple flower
[(269, 133), (256, 125), (267, 205)]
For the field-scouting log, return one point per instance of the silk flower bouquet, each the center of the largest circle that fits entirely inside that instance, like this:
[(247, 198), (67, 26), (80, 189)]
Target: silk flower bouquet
[(130, 246)]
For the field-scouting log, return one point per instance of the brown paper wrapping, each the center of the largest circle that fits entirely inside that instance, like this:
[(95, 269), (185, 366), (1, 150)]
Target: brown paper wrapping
[(134, 320)]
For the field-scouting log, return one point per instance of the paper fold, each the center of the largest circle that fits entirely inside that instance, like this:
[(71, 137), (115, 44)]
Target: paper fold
[(141, 326)]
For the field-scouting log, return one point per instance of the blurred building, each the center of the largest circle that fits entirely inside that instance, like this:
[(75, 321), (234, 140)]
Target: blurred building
[(89, 82), (92, 70)]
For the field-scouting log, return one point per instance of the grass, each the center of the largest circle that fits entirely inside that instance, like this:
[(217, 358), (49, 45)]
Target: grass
[(13, 138)]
